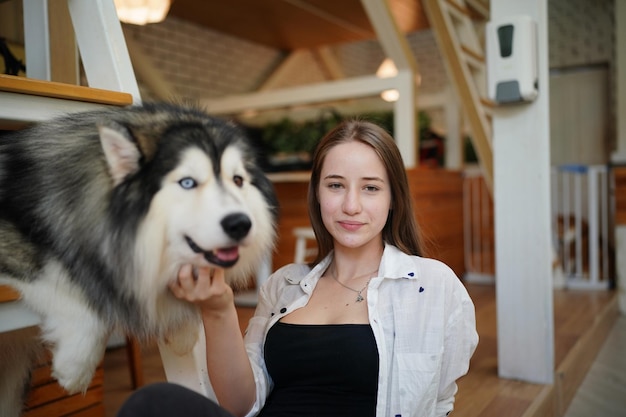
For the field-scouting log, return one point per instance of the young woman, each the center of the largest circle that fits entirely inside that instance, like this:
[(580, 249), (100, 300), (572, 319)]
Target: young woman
[(369, 328)]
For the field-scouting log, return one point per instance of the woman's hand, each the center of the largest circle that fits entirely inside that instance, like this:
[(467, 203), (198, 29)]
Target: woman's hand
[(227, 362), (204, 287)]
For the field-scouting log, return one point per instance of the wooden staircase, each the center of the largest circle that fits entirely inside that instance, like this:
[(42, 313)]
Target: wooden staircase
[(454, 24), (35, 98), (26, 100), (97, 33)]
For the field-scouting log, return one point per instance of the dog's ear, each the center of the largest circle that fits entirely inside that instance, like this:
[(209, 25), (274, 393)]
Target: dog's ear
[(120, 151)]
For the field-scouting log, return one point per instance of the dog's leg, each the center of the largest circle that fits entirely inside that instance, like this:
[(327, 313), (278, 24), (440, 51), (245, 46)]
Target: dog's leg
[(18, 351), (76, 334), (77, 349)]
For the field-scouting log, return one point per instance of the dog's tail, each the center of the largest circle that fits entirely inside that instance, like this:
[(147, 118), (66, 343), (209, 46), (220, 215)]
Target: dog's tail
[(18, 352)]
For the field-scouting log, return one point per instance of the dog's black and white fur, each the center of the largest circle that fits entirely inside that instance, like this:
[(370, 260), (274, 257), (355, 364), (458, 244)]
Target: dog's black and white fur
[(99, 210)]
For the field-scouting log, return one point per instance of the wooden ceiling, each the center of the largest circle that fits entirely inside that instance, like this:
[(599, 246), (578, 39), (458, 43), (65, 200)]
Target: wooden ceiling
[(294, 24)]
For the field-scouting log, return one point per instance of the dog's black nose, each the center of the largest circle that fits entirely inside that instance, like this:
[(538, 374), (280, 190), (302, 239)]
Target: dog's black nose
[(236, 225)]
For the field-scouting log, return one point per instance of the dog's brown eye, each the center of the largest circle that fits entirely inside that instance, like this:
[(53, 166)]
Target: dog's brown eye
[(238, 180)]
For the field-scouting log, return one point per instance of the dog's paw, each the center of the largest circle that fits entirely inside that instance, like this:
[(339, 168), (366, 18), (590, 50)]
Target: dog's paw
[(73, 378), (74, 367)]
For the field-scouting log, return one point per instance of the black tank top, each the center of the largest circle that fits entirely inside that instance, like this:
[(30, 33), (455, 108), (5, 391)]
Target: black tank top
[(321, 370)]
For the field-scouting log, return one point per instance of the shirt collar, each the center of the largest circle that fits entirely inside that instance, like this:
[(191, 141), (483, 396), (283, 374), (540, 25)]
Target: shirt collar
[(394, 264), (397, 264)]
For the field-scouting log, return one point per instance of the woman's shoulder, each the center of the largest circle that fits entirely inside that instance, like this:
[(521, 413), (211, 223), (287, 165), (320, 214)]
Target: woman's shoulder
[(400, 260), (428, 270), (442, 275), (291, 273), (434, 265)]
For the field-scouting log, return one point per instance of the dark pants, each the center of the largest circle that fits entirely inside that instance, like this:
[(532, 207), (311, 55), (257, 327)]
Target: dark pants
[(165, 400)]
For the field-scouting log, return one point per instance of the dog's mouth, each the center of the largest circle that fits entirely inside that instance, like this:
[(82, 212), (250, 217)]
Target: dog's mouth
[(224, 257)]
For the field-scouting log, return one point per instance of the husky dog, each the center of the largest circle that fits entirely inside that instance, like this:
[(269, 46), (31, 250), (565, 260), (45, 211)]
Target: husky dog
[(99, 210)]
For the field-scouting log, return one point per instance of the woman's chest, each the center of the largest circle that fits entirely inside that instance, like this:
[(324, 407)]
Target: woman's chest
[(332, 304)]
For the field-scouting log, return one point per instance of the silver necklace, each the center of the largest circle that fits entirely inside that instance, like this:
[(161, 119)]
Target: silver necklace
[(359, 297)]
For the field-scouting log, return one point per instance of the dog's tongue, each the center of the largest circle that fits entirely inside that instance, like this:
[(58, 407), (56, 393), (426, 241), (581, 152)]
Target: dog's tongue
[(227, 254)]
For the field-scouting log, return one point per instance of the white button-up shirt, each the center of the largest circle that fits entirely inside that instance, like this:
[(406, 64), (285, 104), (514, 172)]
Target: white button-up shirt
[(422, 318)]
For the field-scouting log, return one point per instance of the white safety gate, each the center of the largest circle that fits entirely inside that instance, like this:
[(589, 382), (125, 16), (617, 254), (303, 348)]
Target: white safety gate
[(581, 224)]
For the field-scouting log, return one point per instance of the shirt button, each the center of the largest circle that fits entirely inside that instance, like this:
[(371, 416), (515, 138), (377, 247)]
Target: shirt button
[(283, 310)]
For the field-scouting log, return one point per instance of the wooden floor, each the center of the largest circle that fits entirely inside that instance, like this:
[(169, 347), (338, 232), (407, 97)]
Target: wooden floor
[(583, 321), (603, 391)]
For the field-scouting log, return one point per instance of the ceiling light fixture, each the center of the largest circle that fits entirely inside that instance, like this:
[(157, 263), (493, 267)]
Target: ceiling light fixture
[(141, 12), (387, 69)]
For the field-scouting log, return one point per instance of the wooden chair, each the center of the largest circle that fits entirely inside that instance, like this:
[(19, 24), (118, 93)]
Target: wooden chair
[(135, 363)]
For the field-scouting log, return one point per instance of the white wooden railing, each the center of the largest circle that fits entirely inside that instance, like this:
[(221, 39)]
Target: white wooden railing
[(581, 227), (581, 218)]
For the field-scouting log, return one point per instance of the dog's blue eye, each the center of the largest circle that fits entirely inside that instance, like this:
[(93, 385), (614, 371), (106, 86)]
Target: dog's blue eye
[(188, 183)]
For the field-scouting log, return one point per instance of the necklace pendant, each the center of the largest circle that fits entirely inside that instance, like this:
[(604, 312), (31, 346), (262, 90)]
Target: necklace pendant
[(359, 298)]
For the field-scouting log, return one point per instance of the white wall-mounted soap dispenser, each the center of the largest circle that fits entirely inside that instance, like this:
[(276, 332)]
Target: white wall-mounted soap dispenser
[(512, 60)]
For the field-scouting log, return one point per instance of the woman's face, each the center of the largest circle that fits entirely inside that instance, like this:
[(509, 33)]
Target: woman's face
[(354, 195)]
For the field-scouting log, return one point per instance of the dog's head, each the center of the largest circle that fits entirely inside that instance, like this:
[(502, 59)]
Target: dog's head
[(192, 185)]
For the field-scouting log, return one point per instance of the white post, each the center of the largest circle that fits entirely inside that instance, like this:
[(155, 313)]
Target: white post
[(522, 219), (578, 216), (594, 213), (567, 211), (37, 39), (604, 208), (404, 119)]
